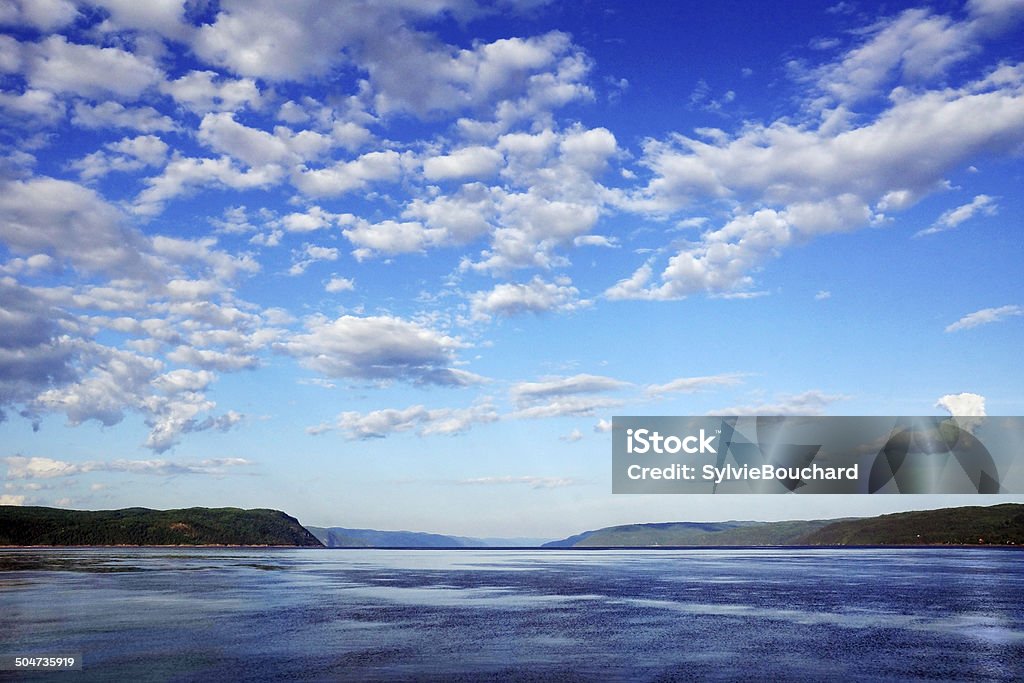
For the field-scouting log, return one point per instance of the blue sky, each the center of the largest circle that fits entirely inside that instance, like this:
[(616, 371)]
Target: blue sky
[(397, 264)]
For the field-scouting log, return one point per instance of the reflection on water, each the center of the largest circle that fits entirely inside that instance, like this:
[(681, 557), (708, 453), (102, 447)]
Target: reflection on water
[(806, 614)]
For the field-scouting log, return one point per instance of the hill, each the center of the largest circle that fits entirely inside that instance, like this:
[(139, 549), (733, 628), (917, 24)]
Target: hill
[(993, 525), (341, 537), (141, 526), (693, 534)]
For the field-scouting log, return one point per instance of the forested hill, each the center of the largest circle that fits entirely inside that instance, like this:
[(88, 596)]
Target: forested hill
[(993, 525), (28, 526)]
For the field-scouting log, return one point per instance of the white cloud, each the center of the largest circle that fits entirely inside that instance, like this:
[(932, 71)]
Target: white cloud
[(984, 317), (469, 162), (9, 499), (966, 407), (165, 17), (809, 182), (70, 223), (981, 204), (348, 176), (21, 467), (572, 437), (524, 393), (116, 115), (340, 284), (43, 15), (689, 385), (603, 426), (564, 396), (32, 107), (313, 219), (964, 404), (822, 295), (456, 218), (127, 155), (255, 147), (56, 65), (120, 380), (535, 296), (531, 481), (309, 255), (915, 48), (225, 361), (182, 174), (377, 348), (202, 92), (807, 403), (381, 423), (391, 237), (533, 227)]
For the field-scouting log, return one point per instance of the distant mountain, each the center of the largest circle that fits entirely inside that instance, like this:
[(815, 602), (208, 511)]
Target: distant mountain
[(994, 525), (693, 534), (141, 526), (341, 537)]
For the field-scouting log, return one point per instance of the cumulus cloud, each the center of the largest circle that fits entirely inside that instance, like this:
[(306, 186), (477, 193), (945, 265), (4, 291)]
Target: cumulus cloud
[(964, 404), (967, 408), (309, 255), (68, 222), (42, 15), (917, 48), (340, 284), (535, 296), (348, 176), (116, 115), (814, 181), (202, 92), (258, 148), (469, 162), (32, 107), (126, 155), (56, 65), (985, 316), (119, 380), (184, 174), (378, 348), (34, 355)]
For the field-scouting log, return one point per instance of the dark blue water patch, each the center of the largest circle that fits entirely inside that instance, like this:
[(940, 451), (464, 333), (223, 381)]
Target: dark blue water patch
[(208, 614)]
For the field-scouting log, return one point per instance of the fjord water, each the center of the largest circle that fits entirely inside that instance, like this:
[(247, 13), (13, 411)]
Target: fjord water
[(268, 614)]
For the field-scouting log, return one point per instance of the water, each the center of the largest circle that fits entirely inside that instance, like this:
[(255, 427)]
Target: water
[(259, 614)]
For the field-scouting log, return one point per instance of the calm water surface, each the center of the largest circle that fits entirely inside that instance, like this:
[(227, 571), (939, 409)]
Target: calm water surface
[(258, 614)]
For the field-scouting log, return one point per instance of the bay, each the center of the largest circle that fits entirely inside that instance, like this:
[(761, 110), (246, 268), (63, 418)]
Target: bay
[(705, 614)]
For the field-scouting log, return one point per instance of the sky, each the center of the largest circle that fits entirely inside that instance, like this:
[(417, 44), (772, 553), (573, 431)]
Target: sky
[(397, 264)]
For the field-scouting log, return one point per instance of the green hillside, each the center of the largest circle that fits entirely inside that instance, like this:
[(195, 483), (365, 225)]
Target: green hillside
[(994, 525), (141, 526), (694, 534)]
